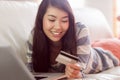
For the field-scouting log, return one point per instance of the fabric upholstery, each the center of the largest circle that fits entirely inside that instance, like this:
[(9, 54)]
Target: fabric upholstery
[(16, 22)]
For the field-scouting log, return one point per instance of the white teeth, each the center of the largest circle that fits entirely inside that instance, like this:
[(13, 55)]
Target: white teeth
[(56, 33)]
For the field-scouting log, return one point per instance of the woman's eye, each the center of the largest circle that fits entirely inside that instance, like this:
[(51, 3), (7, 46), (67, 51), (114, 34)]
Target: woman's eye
[(65, 21), (51, 20)]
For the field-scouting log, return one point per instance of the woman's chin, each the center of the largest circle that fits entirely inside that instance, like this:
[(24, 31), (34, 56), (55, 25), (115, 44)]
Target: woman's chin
[(56, 40)]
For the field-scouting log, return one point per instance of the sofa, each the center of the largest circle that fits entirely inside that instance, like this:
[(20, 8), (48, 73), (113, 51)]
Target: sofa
[(17, 20)]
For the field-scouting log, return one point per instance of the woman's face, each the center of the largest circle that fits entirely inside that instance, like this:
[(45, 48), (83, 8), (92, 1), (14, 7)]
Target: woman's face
[(55, 23)]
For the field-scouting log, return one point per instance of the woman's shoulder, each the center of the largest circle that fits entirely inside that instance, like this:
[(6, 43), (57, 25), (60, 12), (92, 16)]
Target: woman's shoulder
[(79, 27)]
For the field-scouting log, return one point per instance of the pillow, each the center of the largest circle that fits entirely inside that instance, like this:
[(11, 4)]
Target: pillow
[(112, 45)]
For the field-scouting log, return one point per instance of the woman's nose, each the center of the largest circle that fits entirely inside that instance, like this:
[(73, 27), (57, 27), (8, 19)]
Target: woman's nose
[(58, 25)]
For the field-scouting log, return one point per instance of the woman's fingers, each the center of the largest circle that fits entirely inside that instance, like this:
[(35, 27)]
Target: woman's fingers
[(72, 71), (68, 71)]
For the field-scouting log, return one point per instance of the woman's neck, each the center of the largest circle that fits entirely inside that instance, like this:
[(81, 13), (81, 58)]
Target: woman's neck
[(55, 48), (55, 44)]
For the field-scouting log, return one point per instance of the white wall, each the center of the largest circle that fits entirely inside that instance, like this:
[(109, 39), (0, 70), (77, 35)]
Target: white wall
[(105, 6)]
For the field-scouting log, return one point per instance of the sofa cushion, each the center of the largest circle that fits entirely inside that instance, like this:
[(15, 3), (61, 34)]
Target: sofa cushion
[(16, 21)]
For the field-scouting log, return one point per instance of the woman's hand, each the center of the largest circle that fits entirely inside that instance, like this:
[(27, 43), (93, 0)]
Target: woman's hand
[(73, 71)]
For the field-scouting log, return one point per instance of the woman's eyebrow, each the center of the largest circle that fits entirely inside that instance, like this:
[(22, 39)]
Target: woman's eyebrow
[(65, 17), (55, 16), (52, 16)]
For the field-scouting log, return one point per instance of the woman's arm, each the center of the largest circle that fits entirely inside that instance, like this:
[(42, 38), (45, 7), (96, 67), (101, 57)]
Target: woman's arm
[(83, 46), (93, 60)]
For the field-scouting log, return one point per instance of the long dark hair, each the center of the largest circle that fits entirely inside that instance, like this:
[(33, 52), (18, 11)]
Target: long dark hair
[(41, 55)]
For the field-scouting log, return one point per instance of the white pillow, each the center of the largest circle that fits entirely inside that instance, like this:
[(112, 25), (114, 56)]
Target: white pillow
[(16, 21)]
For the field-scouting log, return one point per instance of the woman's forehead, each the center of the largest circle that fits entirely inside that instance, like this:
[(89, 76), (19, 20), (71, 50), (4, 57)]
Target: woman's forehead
[(56, 11)]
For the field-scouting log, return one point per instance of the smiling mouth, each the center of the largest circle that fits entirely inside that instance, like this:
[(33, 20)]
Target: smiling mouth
[(56, 33)]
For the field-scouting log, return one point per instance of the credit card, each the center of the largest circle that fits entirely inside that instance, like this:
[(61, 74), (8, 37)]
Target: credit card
[(66, 58)]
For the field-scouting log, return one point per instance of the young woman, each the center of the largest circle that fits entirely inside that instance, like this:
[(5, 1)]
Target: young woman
[(55, 30)]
